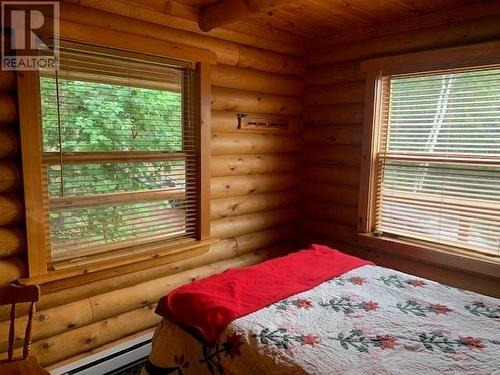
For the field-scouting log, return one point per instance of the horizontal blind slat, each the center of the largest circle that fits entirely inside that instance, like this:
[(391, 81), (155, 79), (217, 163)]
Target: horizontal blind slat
[(439, 160), (120, 151)]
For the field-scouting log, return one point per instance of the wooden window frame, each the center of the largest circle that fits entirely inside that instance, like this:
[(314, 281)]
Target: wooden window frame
[(373, 70), (31, 142)]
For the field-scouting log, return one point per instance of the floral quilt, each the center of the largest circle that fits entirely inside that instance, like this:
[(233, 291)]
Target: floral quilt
[(371, 320)]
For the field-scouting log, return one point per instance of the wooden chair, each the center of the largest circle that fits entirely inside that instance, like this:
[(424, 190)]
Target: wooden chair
[(12, 295)]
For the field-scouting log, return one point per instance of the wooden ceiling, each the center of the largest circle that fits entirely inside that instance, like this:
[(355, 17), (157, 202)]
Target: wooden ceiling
[(289, 26), (317, 18)]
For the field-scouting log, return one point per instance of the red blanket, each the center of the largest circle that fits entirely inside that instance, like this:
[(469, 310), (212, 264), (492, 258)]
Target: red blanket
[(209, 305)]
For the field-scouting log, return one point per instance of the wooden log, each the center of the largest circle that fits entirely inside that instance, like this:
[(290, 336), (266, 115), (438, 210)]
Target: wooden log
[(242, 205), (327, 74), (69, 317), (244, 224), (49, 322), (184, 17), (227, 122), (96, 35), (223, 187), (338, 93), (11, 269), (253, 242), (253, 80), (55, 296), (335, 114), (271, 38), (237, 165), (469, 31), (11, 210), (231, 144), (339, 233), (338, 174), (12, 242), (338, 155), (75, 291), (9, 143), (108, 304), (227, 52), (225, 247), (332, 212), (341, 194), (249, 242), (234, 165), (8, 110), (452, 57), (70, 343), (265, 36), (333, 135), (7, 80), (225, 12), (224, 99), (274, 39), (72, 289), (9, 177), (307, 238), (101, 349), (59, 347), (259, 59)]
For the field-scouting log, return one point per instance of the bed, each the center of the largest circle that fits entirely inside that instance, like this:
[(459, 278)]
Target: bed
[(369, 320)]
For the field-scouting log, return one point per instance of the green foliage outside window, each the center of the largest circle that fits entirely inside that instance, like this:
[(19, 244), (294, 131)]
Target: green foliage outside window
[(99, 117)]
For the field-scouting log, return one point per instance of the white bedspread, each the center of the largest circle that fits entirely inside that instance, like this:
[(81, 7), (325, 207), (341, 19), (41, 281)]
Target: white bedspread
[(371, 320)]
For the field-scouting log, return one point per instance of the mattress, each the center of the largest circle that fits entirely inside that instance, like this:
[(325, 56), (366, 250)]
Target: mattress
[(371, 320)]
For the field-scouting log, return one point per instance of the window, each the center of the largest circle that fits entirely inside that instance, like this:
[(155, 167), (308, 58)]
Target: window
[(115, 163), (119, 152), (437, 158)]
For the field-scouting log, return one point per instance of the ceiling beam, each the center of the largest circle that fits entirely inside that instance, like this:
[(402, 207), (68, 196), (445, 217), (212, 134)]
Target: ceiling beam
[(225, 12)]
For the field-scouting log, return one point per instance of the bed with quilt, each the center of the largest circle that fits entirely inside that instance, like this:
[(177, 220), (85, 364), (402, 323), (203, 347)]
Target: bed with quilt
[(319, 311)]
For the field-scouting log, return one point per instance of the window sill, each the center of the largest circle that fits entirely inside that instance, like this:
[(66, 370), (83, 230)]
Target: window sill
[(108, 268), (444, 256)]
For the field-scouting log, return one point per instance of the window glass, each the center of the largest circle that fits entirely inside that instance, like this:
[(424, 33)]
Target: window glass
[(439, 161)]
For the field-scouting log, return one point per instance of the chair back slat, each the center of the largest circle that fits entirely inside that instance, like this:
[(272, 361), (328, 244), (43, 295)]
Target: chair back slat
[(27, 334), (12, 295), (12, 333)]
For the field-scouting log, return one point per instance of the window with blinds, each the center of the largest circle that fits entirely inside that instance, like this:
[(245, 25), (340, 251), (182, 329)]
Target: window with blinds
[(119, 153), (439, 159)]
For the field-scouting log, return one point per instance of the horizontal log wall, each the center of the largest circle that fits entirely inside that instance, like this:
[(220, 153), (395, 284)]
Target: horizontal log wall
[(63, 330), (332, 135), (12, 251), (253, 190)]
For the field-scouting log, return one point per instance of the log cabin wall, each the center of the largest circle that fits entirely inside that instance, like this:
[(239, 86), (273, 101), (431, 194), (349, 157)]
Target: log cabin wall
[(253, 192), (254, 173), (12, 266), (334, 100)]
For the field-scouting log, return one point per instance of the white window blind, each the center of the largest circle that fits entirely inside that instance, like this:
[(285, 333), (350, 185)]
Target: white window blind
[(439, 159), (119, 153)]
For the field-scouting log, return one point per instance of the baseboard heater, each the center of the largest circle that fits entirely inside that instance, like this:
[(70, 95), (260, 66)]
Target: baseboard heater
[(110, 361)]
